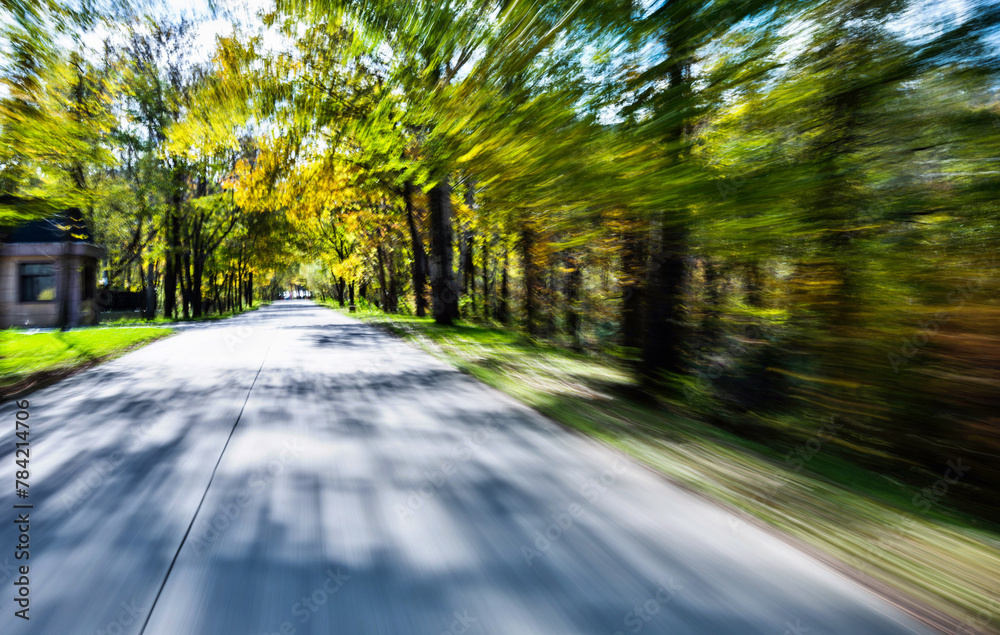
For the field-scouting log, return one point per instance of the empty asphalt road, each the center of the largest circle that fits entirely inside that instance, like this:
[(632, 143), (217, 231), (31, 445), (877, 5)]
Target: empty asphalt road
[(294, 471)]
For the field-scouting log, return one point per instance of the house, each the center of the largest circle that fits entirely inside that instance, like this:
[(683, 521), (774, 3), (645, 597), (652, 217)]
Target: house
[(48, 273)]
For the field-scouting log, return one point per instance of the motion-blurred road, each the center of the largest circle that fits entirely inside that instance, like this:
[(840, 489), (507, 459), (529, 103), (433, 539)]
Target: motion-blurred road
[(367, 488)]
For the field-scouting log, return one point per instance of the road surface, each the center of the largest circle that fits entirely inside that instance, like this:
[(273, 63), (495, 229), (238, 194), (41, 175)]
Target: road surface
[(294, 471)]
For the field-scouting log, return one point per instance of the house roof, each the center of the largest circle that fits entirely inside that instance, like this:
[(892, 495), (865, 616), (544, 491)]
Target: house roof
[(63, 227)]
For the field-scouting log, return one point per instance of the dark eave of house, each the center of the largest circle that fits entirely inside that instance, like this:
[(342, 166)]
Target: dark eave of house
[(66, 226)]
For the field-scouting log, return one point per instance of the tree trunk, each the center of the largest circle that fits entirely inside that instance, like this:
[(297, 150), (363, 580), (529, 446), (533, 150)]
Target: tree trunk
[(468, 266), (503, 306), (173, 261), (550, 297), (238, 290), (486, 279), (711, 318), (197, 270), (444, 291), (634, 272), (530, 279), (150, 291), (341, 287), (662, 352), (665, 327), (419, 268), (186, 285), (469, 269), (215, 303), (383, 289), (393, 284), (574, 280)]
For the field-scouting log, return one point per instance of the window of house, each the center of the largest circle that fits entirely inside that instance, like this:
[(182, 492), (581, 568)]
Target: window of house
[(38, 282)]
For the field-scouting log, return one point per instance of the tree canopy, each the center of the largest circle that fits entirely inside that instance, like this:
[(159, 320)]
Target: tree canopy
[(776, 211)]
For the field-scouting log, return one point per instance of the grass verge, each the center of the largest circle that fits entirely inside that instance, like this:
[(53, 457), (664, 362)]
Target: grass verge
[(941, 565), (30, 360)]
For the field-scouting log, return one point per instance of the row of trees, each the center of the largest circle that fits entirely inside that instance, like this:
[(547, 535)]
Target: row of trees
[(149, 144), (779, 212)]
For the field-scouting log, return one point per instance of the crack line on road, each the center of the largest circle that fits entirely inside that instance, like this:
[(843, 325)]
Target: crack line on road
[(205, 493)]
